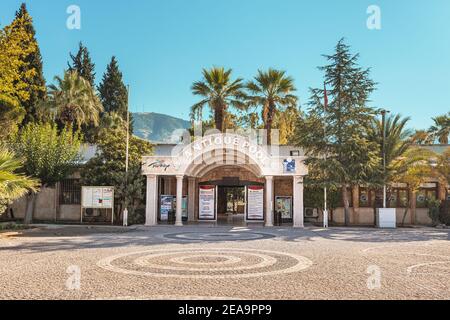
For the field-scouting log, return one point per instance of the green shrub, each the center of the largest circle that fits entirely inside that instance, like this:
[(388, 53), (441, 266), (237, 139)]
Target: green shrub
[(434, 211)]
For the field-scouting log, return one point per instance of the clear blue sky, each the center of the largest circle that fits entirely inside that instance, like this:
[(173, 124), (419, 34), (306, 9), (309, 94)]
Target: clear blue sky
[(163, 45)]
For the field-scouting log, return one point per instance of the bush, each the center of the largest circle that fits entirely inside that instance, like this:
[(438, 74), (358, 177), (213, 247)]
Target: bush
[(137, 217), (434, 211), (445, 212), (12, 226)]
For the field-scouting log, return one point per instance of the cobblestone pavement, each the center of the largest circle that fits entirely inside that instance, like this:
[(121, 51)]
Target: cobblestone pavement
[(198, 262)]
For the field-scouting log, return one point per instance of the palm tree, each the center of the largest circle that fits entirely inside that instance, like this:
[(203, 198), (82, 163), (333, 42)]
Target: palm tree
[(72, 101), (441, 128), (218, 92), (398, 140), (421, 137), (413, 168), (13, 185), (272, 90)]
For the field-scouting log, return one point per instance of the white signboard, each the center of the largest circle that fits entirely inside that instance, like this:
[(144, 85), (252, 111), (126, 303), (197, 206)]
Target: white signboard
[(97, 197), (207, 203), (255, 203)]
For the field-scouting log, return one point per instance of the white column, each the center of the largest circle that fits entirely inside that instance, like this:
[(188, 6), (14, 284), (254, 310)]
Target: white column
[(178, 219), (191, 199), (151, 201), (269, 201), (298, 202)]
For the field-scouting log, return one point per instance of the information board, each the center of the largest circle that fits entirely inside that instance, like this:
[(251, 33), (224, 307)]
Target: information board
[(166, 205), (284, 205), (255, 203), (97, 197), (207, 203)]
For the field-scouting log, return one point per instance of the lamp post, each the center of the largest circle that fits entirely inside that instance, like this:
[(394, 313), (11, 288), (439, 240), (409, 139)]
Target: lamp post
[(383, 123), (125, 210)]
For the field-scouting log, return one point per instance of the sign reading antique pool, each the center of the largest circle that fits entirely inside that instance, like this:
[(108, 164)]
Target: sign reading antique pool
[(97, 197), (207, 204), (255, 203)]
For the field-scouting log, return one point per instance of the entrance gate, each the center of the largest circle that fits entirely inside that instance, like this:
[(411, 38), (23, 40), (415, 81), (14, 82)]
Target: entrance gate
[(190, 165)]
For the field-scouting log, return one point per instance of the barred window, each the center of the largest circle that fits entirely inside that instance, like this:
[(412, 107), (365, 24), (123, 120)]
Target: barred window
[(398, 198), (427, 191), (70, 191), (368, 198)]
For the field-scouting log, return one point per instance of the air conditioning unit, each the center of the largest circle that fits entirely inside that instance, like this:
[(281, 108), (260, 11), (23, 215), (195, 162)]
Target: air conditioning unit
[(311, 213)]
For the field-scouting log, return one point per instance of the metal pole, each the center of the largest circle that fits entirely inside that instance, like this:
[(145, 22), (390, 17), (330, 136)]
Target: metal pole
[(128, 134), (325, 208), (383, 123), (125, 211)]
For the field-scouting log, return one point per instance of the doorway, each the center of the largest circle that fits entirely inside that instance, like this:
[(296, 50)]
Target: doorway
[(231, 205)]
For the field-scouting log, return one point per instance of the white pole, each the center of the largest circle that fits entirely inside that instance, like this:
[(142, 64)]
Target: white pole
[(125, 211), (325, 210), (128, 134)]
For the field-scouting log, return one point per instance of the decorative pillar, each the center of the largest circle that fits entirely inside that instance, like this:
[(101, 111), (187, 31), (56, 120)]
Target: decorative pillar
[(191, 199), (269, 201), (151, 201), (298, 202), (178, 218)]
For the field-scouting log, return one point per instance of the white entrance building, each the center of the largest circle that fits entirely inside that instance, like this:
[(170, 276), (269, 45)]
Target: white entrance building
[(193, 175)]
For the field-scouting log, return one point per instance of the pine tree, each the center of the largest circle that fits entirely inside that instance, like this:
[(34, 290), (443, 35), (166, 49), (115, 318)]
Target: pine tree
[(342, 131), (113, 93), (31, 71), (82, 64)]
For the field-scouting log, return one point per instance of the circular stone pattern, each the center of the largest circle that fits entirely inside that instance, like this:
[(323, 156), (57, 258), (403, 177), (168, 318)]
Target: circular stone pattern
[(201, 263), (218, 236)]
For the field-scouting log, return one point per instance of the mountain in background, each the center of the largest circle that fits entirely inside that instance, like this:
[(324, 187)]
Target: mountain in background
[(156, 127)]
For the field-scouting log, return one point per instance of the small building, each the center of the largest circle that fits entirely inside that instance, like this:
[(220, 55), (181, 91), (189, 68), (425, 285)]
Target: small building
[(229, 179)]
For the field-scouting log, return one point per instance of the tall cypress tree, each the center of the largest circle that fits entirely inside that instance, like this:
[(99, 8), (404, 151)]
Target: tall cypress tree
[(82, 63), (113, 93), (31, 71)]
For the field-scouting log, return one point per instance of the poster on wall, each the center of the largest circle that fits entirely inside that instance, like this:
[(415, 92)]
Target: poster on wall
[(255, 203), (184, 208), (166, 205), (207, 203), (284, 205)]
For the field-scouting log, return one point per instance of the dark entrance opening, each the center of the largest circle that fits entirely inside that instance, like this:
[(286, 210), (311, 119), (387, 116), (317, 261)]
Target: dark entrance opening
[(231, 204), (231, 199)]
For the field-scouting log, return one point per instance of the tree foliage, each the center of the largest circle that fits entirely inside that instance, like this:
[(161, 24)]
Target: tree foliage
[(49, 154), (113, 92), (11, 115), (16, 44), (82, 64), (272, 91), (342, 132), (286, 121), (72, 101), (32, 69), (440, 130), (398, 140), (219, 92), (107, 168), (13, 184)]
